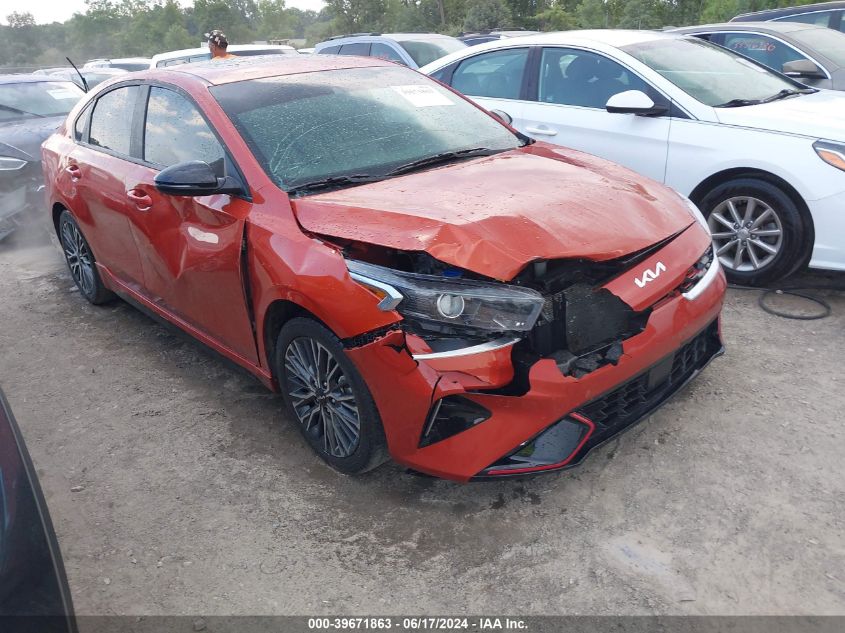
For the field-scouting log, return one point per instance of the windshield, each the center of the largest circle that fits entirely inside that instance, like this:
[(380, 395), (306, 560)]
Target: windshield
[(827, 42), (37, 99), (426, 51), (353, 122), (707, 72)]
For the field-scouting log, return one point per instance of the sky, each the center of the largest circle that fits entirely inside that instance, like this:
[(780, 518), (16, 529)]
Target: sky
[(46, 11)]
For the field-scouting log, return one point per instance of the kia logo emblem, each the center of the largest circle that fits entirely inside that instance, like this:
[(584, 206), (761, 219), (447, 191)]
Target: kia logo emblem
[(650, 275)]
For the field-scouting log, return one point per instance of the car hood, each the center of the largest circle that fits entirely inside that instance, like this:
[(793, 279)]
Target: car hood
[(22, 139), (494, 215), (817, 115)]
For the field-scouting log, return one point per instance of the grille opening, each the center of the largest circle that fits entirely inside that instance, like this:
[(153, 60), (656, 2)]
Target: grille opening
[(449, 416)]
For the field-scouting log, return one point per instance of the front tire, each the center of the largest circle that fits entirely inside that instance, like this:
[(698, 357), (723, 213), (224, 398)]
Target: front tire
[(328, 398), (758, 232), (81, 262)]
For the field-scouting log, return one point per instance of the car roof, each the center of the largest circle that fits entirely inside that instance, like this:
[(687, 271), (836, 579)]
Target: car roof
[(772, 27), (236, 69), (27, 78), (805, 8), (391, 36)]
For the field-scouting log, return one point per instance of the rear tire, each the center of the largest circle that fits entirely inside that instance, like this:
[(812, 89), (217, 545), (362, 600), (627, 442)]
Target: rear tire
[(81, 262), (758, 231), (328, 398)]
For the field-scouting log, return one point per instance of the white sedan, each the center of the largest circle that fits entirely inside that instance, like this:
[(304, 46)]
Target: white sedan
[(762, 155)]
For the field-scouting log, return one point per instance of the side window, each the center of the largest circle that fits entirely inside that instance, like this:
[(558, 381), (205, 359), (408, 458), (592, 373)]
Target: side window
[(761, 48), (497, 74), (356, 48), (111, 122), (819, 18), (175, 132), (581, 78), (384, 51), (329, 50), (81, 124)]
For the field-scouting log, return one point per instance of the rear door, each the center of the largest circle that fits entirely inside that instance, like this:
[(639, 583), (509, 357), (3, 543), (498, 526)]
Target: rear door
[(191, 247), (494, 79), (99, 165), (571, 88)]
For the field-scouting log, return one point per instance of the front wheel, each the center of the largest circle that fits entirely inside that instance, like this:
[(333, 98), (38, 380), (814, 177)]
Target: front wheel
[(328, 398), (758, 232)]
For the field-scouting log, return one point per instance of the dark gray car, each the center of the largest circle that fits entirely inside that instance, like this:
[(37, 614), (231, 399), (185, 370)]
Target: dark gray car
[(31, 108), (813, 55), (828, 14)]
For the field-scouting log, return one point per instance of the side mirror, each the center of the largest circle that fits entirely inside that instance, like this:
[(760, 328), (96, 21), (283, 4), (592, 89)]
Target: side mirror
[(503, 116), (634, 102), (803, 69), (194, 178)]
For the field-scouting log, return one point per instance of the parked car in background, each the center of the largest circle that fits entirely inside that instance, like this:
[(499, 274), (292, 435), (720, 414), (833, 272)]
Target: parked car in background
[(762, 155), (130, 64), (418, 279), (482, 37), (93, 76), (826, 14), (814, 55), (192, 55), (31, 108), (34, 594), (411, 49), (305, 51)]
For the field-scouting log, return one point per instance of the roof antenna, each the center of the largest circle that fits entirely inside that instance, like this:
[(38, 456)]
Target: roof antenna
[(84, 83)]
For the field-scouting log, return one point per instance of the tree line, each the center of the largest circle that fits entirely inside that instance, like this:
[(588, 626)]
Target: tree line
[(129, 28)]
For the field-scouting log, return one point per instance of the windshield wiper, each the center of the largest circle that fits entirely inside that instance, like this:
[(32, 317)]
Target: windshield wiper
[(788, 92), (444, 157), (333, 181), (738, 103), (3, 106)]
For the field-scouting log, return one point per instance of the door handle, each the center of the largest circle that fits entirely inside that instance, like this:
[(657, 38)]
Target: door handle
[(74, 171), (545, 131), (141, 199)]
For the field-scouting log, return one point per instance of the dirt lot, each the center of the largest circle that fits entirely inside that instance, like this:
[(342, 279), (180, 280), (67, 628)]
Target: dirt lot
[(177, 486)]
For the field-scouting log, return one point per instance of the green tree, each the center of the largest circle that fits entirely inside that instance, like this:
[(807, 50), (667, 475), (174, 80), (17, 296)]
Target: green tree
[(486, 14), (592, 14)]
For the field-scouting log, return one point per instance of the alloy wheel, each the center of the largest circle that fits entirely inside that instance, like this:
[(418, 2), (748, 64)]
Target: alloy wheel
[(322, 396), (747, 233), (78, 258)]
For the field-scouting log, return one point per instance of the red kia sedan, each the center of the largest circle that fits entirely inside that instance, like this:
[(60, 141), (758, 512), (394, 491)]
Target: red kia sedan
[(419, 280)]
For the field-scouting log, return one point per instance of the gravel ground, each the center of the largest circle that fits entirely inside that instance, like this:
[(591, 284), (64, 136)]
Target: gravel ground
[(177, 486)]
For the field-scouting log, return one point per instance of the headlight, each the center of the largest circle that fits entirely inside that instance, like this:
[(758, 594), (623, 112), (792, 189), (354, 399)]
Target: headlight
[(695, 212), (831, 153), (479, 305), (7, 163)]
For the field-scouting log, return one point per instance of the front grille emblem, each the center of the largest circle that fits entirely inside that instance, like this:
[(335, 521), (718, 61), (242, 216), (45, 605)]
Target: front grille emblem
[(650, 275)]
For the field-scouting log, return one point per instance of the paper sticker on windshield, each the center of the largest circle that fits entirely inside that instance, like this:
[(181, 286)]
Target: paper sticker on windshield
[(423, 96), (63, 93)]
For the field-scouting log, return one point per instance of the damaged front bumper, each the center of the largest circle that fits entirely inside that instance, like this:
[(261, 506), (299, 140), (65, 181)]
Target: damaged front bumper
[(476, 414)]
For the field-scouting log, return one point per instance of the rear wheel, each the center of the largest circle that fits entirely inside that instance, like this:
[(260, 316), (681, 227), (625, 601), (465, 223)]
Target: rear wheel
[(758, 232), (328, 398), (80, 260)]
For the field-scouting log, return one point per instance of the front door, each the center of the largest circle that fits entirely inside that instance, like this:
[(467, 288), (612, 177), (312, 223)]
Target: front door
[(191, 247), (573, 88)]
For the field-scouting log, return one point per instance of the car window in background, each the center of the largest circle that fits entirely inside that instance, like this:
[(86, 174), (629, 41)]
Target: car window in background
[(497, 74), (34, 99), (581, 78), (424, 51), (829, 43), (819, 18), (356, 48), (385, 51), (709, 73), (175, 132), (762, 48), (130, 66), (330, 50), (352, 122), (111, 122)]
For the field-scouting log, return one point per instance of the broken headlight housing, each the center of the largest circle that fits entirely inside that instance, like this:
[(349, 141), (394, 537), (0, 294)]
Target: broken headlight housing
[(452, 303)]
